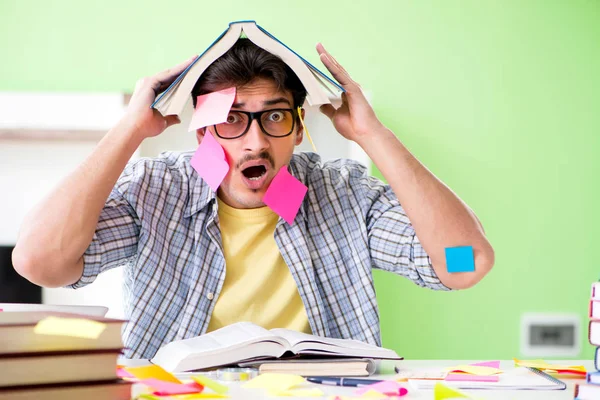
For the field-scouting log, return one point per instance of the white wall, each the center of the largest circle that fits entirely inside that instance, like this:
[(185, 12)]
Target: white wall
[(29, 169)]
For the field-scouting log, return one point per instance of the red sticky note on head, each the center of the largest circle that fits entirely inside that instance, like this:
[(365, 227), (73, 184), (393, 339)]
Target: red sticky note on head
[(210, 162), (212, 108), (285, 195)]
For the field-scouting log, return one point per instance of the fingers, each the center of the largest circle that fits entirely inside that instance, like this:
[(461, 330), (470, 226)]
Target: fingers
[(338, 72), (172, 120), (163, 79), (328, 110)]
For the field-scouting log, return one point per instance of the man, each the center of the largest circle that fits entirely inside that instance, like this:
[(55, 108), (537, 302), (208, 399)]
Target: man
[(196, 261)]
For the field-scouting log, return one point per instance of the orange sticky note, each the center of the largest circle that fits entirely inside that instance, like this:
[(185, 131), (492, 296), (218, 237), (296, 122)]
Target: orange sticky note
[(152, 372)]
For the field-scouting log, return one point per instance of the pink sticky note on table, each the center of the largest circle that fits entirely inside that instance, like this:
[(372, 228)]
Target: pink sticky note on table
[(285, 195), (389, 388), (210, 162), (472, 378), (164, 388), (212, 108), (123, 373), (491, 364)]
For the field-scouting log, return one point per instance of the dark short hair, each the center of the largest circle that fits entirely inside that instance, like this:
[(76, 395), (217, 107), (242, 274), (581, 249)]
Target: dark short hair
[(243, 63)]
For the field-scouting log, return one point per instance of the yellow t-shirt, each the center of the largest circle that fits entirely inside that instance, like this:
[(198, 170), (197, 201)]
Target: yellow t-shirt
[(258, 286)]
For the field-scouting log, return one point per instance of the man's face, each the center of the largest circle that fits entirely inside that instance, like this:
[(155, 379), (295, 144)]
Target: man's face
[(255, 158)]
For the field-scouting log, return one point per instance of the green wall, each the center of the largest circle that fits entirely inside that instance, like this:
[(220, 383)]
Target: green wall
[(500, 99)]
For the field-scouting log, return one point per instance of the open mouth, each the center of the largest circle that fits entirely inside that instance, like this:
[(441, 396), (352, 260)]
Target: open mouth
[(255, 172)]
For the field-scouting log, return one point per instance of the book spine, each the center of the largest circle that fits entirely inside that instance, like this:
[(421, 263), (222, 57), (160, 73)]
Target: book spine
[(597, 359), (590, 327), (596, 290)]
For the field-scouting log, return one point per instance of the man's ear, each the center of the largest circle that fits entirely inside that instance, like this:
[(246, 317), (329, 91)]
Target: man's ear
[(300, 133), (200, 134)]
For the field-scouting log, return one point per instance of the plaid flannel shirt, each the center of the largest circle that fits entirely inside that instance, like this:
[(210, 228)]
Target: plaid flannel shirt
[(160, 223)]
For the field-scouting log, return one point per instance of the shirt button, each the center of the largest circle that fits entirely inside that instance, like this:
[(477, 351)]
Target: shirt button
[(210, 296)]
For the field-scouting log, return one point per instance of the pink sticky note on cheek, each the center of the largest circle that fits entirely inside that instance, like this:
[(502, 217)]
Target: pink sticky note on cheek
[(210, 162), (212, 108), (285, 195)]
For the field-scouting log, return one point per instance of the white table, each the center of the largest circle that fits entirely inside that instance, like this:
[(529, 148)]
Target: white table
[(237, 392)]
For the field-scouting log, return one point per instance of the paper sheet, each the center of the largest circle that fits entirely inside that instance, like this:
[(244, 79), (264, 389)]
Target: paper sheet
[(285, 195), (76, 327), (274, 382), (212, 108)]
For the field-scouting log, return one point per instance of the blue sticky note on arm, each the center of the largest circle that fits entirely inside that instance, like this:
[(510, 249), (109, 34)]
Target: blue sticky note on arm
[(460, 259)]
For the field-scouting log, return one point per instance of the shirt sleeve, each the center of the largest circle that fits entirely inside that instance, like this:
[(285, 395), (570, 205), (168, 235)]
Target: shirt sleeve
[(115, 240), (393, 243)]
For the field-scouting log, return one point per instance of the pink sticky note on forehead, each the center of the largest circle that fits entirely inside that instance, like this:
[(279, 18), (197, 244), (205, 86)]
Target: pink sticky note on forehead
[(212, 108), (285, 195), (210, 162)]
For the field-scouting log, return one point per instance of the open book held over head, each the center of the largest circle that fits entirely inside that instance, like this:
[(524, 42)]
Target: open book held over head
[(245, 341), (320, 88)]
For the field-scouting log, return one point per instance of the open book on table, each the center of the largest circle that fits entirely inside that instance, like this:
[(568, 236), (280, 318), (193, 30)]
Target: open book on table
[(244, 341)]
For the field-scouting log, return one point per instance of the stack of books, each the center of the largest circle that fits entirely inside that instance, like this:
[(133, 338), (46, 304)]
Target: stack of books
[(50, 366), (591, 389)]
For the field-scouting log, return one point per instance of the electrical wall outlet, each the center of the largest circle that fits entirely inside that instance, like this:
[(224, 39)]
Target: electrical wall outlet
[(550, 335)]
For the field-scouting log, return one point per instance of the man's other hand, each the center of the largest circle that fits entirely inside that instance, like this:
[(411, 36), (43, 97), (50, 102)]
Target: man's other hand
[(147, 121)]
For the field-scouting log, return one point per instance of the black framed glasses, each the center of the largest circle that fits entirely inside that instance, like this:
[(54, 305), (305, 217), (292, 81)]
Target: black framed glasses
[(276, 122)]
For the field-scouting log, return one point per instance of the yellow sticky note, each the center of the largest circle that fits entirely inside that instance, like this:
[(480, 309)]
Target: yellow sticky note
[(274, 382), (476, 370), (442, 392), (192, 396), (209, 383), (76, 327), (541, 364), (152, 371), (298, 393), (146, 396)]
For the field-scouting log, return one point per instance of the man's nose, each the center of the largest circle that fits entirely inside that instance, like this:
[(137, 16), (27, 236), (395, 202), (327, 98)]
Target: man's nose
[(255, 140)]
